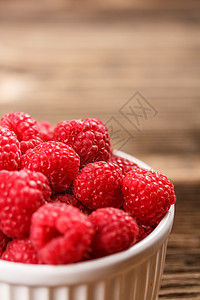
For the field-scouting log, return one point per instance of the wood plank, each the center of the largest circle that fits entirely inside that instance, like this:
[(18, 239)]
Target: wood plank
[(31, 8), (181, 279)]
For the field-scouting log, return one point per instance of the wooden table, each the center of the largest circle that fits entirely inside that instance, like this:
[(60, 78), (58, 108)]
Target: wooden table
[(74, 65)]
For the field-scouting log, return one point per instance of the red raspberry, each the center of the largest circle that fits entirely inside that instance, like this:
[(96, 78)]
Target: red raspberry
[(3, 242), (148, 195), (25, 128), (88, 137), (10, 153), (46, 131), (57, 161), (70, 199), (26, 145), (22, 192), (144, 231), (99, 185), (21, 251), (41, 183), (60, 233), (124, 164), (65, 198), (115, 231)]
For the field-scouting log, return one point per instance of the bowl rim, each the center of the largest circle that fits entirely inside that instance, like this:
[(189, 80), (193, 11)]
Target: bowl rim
[(20, 273)]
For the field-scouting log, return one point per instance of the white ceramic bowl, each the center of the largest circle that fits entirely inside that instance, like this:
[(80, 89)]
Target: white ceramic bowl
[(133, 274)]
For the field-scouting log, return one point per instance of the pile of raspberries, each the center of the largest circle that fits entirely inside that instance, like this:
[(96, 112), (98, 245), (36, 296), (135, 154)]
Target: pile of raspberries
[(65, 197)]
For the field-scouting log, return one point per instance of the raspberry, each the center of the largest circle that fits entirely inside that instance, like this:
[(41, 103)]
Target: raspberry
[(41, 183), (21, 251), (46, 130), (60, 233), (70, 199), (148, 195), (10, 153), (21, 193), (99, 185), (144, 231), (65, 198), (32, 143), (25, 128), (88, 137), (124, 164), (57, 161), (115, 231), (3, 242)]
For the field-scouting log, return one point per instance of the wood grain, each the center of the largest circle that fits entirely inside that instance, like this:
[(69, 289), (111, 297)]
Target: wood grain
[(66, 65)]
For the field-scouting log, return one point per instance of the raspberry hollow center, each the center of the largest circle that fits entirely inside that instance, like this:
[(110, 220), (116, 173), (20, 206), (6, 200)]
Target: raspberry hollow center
[(51, 233)]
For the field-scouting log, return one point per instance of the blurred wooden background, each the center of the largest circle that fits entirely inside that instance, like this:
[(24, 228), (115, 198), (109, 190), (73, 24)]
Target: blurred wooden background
[(75, 59)]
